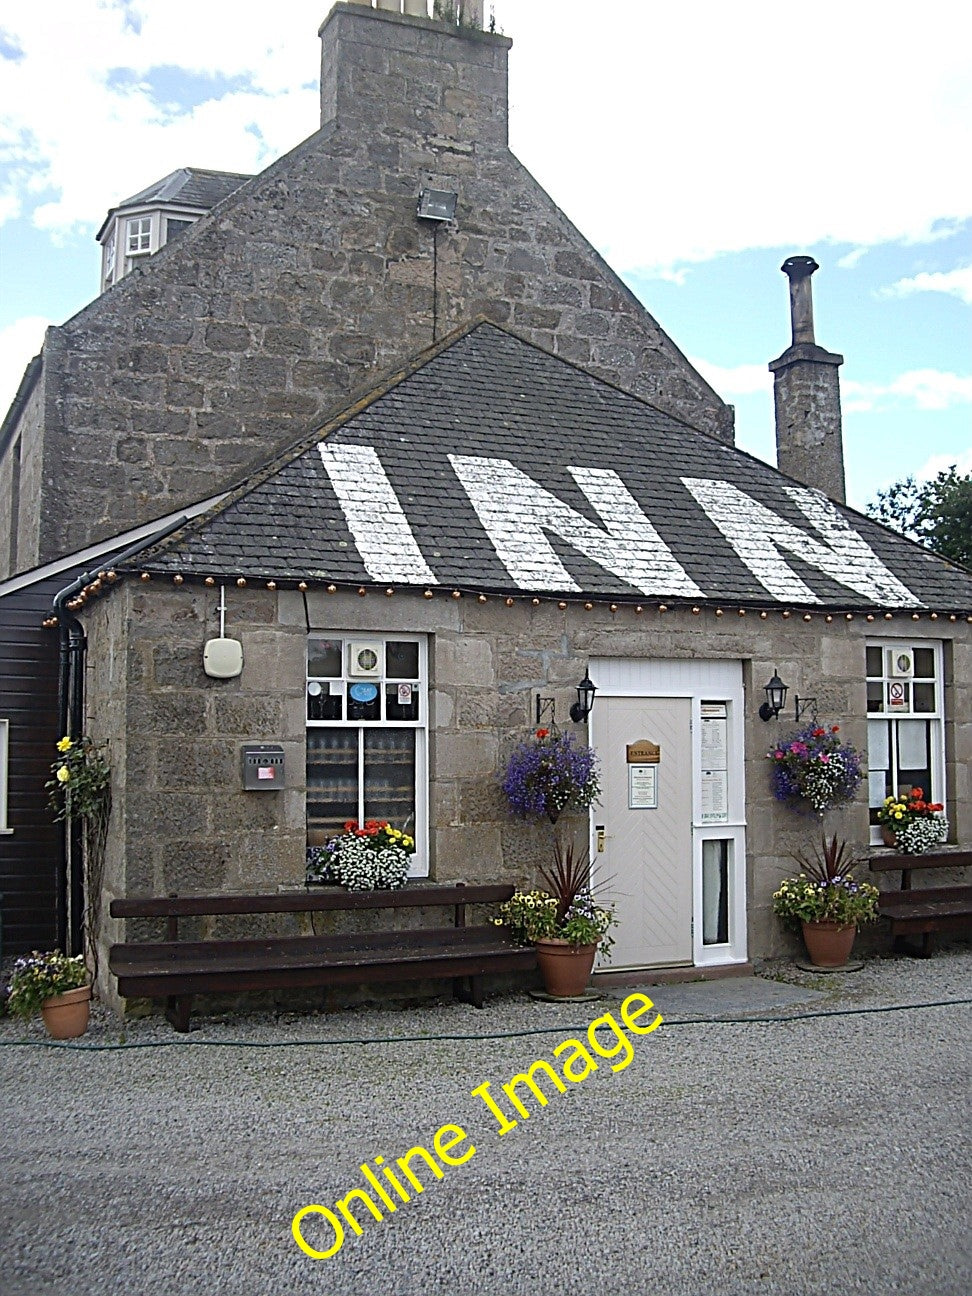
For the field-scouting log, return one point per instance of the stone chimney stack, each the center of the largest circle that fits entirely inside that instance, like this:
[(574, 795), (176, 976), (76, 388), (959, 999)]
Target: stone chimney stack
[(806, 392), (411, 70)]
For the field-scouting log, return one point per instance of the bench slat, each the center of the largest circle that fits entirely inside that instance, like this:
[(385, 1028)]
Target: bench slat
[(360, 947), (930, 859), (322, 900), (400, 965)]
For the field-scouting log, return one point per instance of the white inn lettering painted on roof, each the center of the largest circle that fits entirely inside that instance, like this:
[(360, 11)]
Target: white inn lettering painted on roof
[(758, 535)]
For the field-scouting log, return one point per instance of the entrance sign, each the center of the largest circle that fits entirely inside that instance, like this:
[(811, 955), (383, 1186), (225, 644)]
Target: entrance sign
[(642, 787), (643, 752)]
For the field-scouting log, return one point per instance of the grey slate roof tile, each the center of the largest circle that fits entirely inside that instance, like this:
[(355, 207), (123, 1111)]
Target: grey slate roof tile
[(488, 393)]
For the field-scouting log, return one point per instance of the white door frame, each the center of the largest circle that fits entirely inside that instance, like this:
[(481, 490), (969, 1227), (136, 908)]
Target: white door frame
[(699, 681)]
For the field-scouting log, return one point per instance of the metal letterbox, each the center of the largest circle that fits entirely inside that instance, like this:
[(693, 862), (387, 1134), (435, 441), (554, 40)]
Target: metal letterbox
[(263, 767)]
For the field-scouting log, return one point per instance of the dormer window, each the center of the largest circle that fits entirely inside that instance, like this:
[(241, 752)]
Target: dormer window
[(138, 235), (109, 271), (174, 226)]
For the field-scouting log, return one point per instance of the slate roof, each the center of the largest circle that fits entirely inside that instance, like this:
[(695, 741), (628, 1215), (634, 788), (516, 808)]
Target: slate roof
[(488, 395), (190, 187), (187, 187)]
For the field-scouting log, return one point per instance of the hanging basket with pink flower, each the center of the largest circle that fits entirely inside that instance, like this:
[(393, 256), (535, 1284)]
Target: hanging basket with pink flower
[(814, 768)]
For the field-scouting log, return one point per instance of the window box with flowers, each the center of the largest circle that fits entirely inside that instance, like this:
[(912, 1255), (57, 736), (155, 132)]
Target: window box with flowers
[(813, 768), (911, 824), (372, 856)]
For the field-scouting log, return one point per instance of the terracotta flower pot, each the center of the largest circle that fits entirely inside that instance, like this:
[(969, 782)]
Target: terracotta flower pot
[(66, 1015), (565, 968), (888, 836), (829, 943)]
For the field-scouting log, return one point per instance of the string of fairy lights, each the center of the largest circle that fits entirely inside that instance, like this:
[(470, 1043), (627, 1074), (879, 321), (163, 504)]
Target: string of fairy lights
[(105, 579)]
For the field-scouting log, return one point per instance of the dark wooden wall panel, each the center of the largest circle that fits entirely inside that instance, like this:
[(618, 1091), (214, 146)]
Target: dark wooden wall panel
[(31, 857)]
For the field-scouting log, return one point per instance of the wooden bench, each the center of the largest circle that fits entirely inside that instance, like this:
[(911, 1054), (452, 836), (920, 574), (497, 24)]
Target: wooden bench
[(924, 910), (177, 969)]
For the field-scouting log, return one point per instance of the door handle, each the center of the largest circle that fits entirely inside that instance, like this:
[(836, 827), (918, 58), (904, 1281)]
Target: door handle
[(601, 837)]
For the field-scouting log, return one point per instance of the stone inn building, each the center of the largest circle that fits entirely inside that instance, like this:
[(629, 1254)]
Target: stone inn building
[(369, 468)]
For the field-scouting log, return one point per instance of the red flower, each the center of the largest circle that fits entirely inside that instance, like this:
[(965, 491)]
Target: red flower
[(917, 794), (543, 733), (819, 733), (351, 825), (835, 728)]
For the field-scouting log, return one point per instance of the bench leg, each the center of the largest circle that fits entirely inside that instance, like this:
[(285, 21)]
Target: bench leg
[(177, 1010), (468, 990)]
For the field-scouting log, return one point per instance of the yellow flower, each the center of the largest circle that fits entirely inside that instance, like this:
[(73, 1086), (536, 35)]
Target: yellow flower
[(899, 814), (65, 745), (63, 774)]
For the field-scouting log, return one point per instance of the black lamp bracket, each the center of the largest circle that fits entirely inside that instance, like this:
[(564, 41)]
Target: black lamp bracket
[(803, 705), (546, 706)]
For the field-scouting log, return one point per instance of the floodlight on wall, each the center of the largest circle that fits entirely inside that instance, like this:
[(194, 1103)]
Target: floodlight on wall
[(776, 692), (437, 205), (585, 699)]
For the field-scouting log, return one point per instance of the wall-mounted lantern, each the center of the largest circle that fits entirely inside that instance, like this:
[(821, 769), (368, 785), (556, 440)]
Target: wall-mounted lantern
[(582, 708), (776, 692)]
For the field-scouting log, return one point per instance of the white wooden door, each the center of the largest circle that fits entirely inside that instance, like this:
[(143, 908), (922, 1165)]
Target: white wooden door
[(646, 861)]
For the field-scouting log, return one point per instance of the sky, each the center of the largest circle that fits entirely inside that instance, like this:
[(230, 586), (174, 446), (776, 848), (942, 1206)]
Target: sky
[(696, 145)]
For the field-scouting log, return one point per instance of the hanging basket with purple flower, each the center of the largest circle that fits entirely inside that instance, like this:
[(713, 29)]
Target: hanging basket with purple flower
[(549, 774), (814, 767)]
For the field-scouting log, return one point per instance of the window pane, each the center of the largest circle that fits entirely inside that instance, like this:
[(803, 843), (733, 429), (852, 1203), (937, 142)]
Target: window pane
[(332, 782), (913, 744), (324, 658), (924, 697), (875, 696), (364, 703), (715, 892), (322, 703), (401, 702), (874, 663), (925, 663), (402, 660), (389, 781), (175, 227)]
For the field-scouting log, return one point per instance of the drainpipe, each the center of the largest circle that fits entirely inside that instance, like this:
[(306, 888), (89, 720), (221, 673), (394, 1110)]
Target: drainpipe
[(70, 698)]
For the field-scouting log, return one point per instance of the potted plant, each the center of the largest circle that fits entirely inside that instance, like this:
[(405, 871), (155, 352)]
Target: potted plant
[(549, 774), (564, 924), (813, 767), (826, 902), (57, 987), (364, 857), (911, 824)]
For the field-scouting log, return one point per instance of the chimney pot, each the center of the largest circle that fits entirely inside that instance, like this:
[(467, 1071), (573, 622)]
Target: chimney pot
[(798, 270)]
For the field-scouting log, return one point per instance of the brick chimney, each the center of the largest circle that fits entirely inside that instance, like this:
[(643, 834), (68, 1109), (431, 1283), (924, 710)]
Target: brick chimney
[(806, 392), (393, 71)]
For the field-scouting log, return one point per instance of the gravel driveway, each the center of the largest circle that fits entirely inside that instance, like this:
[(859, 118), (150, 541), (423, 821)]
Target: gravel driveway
[(803, 1154)]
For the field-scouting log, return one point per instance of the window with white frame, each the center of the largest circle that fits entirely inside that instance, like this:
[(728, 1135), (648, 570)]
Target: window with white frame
[(138, 235), (367, 723), (4, 766), (109, 275), (905, 729)]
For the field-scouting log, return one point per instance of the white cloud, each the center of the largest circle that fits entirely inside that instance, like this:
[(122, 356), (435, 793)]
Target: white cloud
[(688, 117), (737, 380), (942, 462), (926, 389), (957, 283), (19, 343)]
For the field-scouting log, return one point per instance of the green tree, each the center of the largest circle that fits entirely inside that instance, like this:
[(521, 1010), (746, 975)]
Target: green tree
[(936, 513)]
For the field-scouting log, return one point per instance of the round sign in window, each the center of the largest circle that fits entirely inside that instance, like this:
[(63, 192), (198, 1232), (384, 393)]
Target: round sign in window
[(367, 659), (364, 692)]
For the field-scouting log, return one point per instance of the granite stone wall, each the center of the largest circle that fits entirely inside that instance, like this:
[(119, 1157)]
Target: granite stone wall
[(315, 278), (182, 822)]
